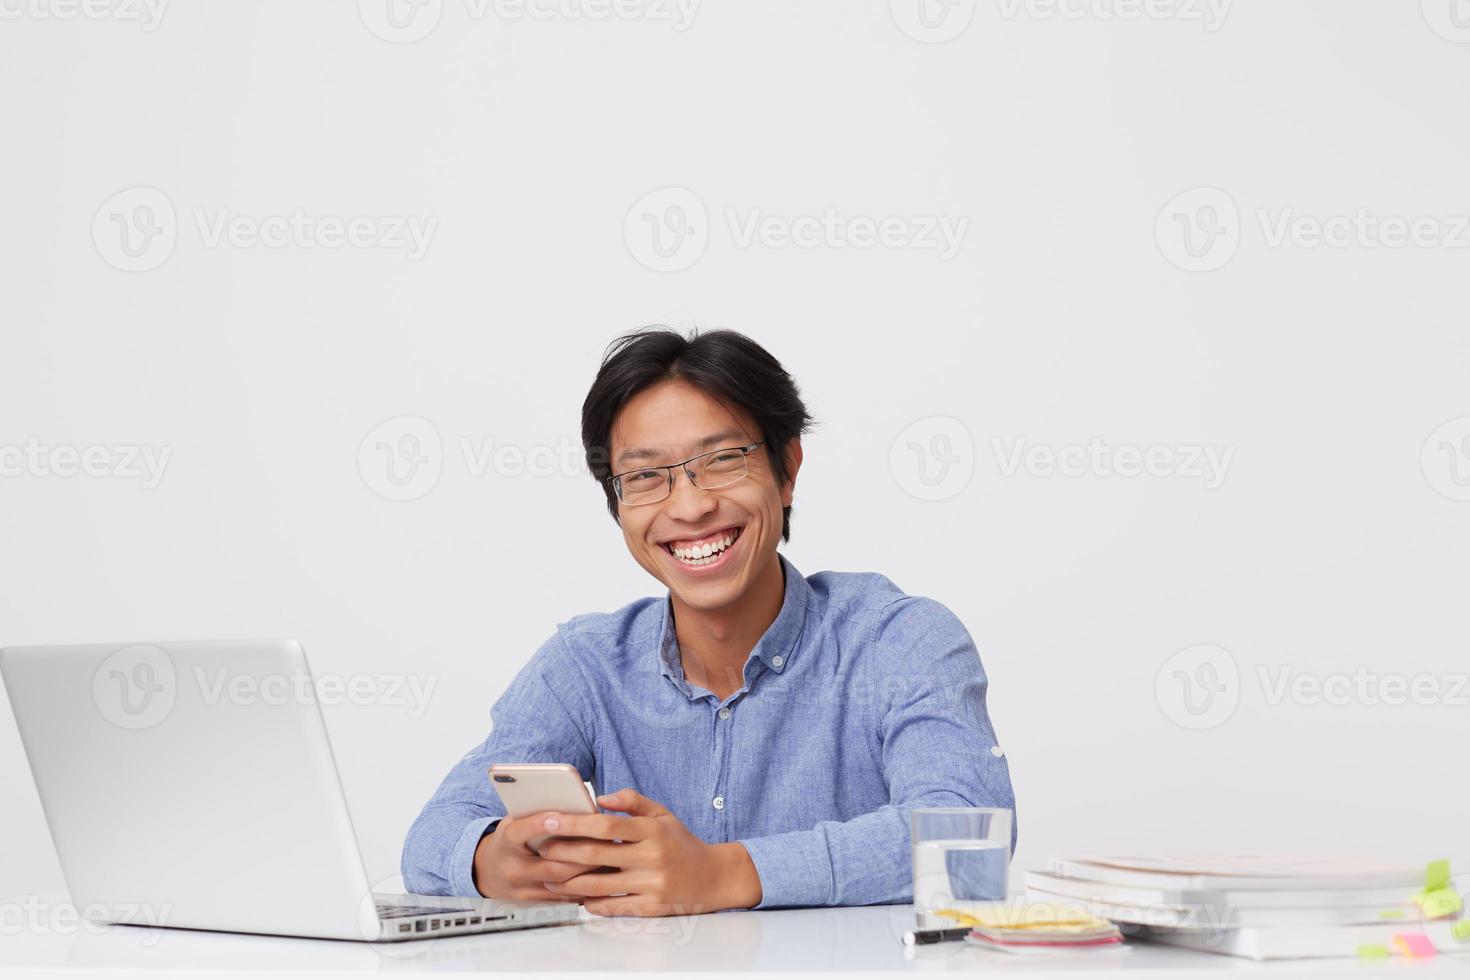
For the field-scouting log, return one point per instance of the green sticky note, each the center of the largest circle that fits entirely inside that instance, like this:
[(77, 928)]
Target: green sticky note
[(1440, 903), (1437, 875), (1461, 930), (1373, 952)]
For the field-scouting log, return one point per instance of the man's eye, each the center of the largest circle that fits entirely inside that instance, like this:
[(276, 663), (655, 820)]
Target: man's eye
[(642, 478)]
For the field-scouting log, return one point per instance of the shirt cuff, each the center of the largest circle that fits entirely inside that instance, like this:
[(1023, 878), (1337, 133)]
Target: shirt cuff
[(462, 858), (794, 868)]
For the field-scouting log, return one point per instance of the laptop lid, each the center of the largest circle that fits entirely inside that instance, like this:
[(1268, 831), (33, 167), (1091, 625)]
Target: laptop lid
[(192, 785)]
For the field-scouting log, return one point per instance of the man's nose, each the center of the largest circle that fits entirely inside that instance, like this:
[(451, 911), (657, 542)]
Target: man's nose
[(686, 500)]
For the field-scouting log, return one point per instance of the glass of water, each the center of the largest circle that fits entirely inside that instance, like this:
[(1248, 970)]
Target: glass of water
[(962, 858)]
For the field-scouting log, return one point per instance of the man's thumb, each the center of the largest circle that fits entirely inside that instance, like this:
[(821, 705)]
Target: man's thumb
[(631, 802)]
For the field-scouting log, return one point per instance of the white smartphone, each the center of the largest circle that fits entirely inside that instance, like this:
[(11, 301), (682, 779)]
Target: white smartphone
[(532, 788)]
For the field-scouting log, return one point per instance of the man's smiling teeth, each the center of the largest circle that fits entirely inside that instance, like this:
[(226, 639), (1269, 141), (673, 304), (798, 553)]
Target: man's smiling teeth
[(705, 551)]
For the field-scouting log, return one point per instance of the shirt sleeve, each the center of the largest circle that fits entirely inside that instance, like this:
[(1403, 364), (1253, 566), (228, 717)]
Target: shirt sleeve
[(541, 717), (938, 749)]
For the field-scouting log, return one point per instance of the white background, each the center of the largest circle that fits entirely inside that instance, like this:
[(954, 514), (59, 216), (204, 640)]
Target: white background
[(1063, 317)]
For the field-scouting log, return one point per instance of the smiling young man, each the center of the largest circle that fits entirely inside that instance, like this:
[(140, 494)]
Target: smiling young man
[(766, 732)]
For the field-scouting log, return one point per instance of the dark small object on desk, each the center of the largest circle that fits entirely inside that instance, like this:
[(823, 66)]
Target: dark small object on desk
[(923, 937)]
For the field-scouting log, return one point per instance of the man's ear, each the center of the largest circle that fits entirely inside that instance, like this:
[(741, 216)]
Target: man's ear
[(793, 463)]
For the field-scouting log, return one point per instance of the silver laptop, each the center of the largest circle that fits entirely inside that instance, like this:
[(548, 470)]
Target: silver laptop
[(191, 785)]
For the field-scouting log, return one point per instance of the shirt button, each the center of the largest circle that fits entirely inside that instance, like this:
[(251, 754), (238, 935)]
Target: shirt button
[(996, 751), (719, 803), (777, 660), (724, 713)]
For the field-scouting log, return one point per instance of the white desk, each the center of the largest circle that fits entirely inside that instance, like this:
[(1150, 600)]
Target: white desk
[(848, 940)]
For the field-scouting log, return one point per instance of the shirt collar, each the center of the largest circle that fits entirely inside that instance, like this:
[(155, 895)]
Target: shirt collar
[(775, 649)]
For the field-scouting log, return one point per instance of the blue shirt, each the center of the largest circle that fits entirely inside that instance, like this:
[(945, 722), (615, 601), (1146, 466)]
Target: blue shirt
[(859, 702)]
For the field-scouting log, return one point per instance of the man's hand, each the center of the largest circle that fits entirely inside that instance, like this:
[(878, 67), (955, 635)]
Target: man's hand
[(662, 869), (506, 868)]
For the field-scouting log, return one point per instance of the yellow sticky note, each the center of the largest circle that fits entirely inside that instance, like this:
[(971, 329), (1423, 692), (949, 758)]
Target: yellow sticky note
[(1440, 903), (1437, 875), (1461, 930), (1373, 952)]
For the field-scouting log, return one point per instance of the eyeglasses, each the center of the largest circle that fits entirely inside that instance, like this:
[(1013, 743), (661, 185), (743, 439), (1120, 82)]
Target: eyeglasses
[(708, 471)]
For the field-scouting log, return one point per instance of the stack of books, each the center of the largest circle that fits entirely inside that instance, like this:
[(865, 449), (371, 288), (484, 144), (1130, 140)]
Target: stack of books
[(1262, 907), (1035, 927)]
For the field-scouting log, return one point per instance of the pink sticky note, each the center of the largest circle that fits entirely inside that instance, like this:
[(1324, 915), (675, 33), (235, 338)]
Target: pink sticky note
[(1414, 944)]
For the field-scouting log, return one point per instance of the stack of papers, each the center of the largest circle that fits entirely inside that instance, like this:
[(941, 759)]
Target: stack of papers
[(1033, 927), (1260, 907)]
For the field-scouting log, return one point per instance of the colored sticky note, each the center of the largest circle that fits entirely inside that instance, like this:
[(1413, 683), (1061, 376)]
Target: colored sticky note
[(1414, 944), (1461, 931), (1391, 914), (1440, 903), (1373, 952), (1437, 875)]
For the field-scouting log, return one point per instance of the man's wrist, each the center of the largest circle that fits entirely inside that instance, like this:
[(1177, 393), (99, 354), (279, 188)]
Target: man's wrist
[(740, 883)]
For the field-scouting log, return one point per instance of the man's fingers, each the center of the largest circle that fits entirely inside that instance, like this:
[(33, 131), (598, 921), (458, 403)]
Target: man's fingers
[(603, 826), (597, 885), (588, 852), (537, 893), (543, 870)]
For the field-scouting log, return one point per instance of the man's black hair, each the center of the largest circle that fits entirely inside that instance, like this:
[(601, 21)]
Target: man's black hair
[(726, 365)]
